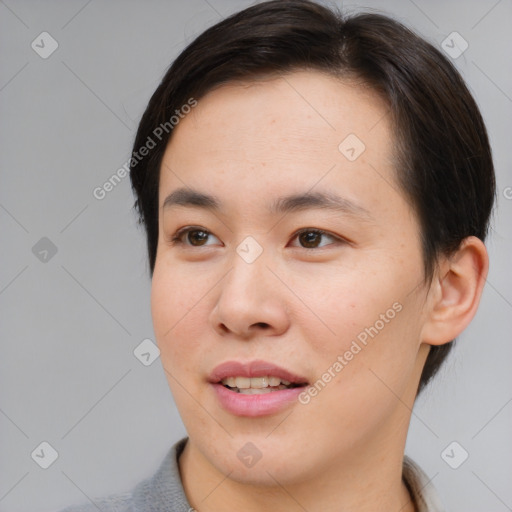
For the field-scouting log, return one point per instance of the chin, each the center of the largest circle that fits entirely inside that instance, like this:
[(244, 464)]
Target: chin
[(266, 472), (259, 460)]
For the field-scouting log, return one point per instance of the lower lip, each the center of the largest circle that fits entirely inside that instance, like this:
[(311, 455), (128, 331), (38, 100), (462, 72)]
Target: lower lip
[(256, 405)]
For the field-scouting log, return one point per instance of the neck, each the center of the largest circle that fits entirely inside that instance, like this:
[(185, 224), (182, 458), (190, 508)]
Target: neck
[(369, 479)]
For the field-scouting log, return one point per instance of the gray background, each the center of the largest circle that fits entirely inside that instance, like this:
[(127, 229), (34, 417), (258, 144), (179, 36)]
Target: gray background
[(69, 325)]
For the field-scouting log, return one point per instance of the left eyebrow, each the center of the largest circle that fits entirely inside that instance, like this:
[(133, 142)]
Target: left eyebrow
[(320, 200), (192, 198)]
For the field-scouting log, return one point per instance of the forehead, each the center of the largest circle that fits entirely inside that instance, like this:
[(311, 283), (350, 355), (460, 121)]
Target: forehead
[(291, 108), (284, 133)]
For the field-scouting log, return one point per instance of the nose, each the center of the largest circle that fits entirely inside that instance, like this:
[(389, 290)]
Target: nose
[(251, 301)]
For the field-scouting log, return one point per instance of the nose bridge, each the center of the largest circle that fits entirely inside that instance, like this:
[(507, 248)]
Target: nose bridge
[(247, 277), (248, 299)]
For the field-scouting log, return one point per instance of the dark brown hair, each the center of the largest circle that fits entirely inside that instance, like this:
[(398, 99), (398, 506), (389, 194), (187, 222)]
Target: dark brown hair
[(444, 162)]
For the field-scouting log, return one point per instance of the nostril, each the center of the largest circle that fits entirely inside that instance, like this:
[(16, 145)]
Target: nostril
[(262, 324)]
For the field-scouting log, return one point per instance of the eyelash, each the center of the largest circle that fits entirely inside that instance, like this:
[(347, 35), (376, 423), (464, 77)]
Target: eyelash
[(176, 239)]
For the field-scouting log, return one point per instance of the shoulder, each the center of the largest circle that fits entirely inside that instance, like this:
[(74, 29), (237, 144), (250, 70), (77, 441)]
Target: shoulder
[(156, 493), (122, 502), (421, 488)]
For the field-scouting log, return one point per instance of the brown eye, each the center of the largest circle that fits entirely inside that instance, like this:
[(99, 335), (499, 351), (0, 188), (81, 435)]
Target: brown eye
[(196, 236), (309, 239), (312, 238), (192, 237)]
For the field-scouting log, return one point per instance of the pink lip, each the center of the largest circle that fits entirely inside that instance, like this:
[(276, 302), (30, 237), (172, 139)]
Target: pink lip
[(254, 405)]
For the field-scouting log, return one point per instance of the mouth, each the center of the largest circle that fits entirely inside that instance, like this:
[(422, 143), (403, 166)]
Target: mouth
[(258, 385), (255, 388), (255, 375)]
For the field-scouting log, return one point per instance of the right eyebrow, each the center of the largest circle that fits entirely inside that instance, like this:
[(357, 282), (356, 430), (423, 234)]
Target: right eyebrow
[(191, 197)]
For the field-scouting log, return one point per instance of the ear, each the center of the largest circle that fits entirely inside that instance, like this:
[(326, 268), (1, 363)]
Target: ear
[(455, 292)]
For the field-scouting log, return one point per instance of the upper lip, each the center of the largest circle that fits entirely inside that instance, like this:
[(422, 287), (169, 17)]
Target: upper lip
[(257, 368)]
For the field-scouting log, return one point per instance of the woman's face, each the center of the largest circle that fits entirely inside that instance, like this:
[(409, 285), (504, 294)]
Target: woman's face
[(254, 282)]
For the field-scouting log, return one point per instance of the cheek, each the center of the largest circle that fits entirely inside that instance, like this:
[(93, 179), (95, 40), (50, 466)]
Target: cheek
[(174, 307), (378, 357), (370, 319), (341, 304), (370, 374)]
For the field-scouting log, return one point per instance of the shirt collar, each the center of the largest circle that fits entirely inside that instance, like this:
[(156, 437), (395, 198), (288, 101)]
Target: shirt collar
[(420, 487)]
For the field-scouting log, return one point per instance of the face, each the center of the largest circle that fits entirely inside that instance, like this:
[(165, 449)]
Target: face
[(267, 281)]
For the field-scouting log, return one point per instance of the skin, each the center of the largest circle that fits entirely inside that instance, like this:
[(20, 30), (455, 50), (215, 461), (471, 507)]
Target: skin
[(296, 305)]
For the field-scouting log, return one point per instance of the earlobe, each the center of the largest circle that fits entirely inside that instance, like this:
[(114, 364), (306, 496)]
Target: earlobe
[(456, 292)]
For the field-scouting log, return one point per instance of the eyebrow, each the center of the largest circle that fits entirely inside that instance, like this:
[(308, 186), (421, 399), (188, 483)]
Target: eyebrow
[(292, 203)]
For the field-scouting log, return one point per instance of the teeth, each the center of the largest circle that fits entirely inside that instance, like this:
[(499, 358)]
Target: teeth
[(259, 382), (245, 383), (274, 381), (242, 382), (230, 381)]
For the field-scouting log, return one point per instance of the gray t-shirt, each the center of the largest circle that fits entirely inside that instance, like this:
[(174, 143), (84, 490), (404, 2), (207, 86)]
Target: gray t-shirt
[(164, 492)]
